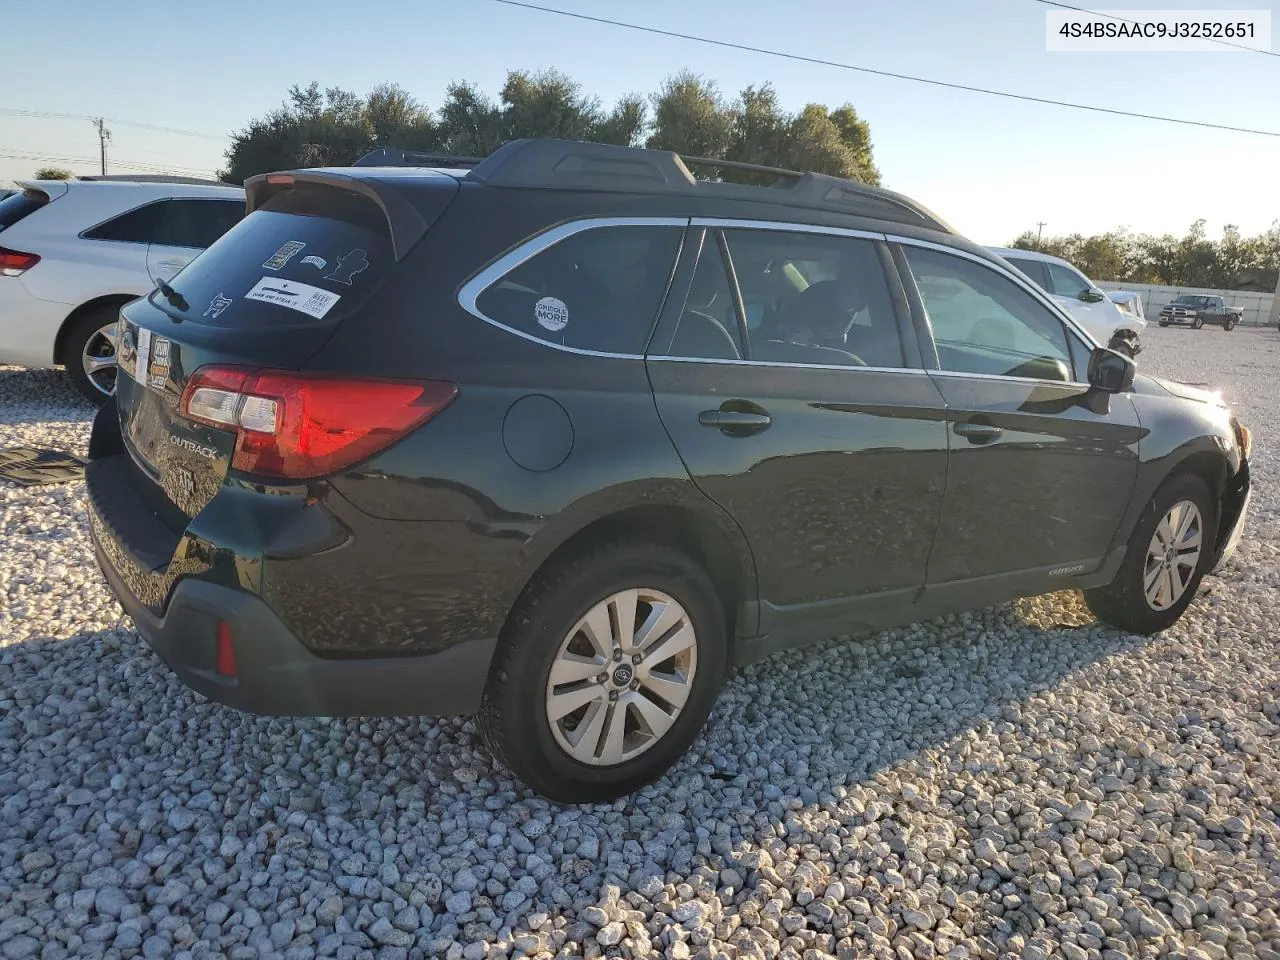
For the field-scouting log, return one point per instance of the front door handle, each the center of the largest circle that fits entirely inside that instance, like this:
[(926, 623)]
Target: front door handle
[(734, 421), (978, 432)]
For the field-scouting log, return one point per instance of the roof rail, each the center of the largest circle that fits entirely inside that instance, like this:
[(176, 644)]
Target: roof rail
[(600, 166), (394, 157), (739, 165), (154, 178)]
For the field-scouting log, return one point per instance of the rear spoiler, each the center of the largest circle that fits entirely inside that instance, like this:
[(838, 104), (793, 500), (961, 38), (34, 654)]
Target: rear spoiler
[(49, 189), (407, 221)]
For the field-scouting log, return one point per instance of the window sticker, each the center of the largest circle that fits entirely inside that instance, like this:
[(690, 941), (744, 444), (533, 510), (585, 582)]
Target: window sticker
[(551, 314), (284, 255), (216, 306), (317, 262), (302, 297), (347, 266)]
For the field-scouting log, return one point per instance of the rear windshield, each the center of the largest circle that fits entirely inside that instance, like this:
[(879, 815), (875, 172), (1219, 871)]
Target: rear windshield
[(311, 254), (19, 205)]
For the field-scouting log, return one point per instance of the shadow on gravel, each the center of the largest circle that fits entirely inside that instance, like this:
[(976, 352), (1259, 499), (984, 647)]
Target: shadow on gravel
[(96, 722)]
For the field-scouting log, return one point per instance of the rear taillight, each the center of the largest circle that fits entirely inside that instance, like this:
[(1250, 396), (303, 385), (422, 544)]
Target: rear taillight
[(15, 262), (298, 426)]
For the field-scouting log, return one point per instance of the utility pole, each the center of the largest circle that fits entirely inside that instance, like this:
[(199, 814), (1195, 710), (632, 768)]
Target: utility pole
[(1039, 229), (104, 136), (1274, 319)]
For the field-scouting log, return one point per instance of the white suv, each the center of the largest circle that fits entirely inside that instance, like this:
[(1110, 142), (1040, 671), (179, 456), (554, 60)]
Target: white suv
[(72, 252), (1080, 297)]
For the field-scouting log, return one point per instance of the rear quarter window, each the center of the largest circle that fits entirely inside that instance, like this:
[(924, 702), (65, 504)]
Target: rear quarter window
[(19, 205), (309, 254), (598, 289)]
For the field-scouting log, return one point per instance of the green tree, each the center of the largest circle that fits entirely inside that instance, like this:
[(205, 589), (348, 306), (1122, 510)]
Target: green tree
[(547, 104), (332, 126), (54, 173), (470, 123), (1234, 262), (689, 116), (625, 123)]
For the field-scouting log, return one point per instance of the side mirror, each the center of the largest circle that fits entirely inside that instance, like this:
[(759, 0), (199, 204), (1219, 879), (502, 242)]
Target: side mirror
[(1092, 296), (1110, 372)]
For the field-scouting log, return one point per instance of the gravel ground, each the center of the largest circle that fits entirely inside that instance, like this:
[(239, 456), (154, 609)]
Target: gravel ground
[(1014, 782)]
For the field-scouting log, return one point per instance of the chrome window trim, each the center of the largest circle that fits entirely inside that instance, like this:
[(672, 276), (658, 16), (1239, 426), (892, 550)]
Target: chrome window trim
[(783, 226), (961, 375), (471, 290), (1042, 296), (789, 365)]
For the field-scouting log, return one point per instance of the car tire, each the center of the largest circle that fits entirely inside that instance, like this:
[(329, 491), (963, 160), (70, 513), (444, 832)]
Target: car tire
[(92, 337), (1149, 594), (551, 628), (1229, 324), (1163, 323), (1197, 323)]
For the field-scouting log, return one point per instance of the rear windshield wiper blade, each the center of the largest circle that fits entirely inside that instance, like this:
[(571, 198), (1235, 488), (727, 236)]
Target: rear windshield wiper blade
[(173, 296)]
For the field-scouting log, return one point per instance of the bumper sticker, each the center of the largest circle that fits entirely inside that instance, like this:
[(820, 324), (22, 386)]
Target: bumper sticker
[(143, 358), (302, 297), (158, 369)]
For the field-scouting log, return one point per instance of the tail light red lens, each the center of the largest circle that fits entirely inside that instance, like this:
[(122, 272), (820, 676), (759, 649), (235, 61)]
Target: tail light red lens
[(298, 426), (226, 652), (15, 262)]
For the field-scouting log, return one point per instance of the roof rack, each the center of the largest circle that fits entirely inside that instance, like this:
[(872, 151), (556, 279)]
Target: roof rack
[(583, 165), (393, 157), (600, 166), (154, 178)]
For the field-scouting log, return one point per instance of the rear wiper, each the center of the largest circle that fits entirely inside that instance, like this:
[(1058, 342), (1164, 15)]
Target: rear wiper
[(173, 296)]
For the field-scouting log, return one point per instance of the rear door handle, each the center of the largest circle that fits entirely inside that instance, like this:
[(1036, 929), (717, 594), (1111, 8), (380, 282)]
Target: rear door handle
[(978, 432), (735, 422)]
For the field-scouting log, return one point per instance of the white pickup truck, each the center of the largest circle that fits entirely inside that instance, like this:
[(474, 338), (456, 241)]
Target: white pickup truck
[(1080, 297)]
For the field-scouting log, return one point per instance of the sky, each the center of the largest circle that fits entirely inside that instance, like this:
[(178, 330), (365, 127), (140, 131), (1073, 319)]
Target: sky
[(991, 167)]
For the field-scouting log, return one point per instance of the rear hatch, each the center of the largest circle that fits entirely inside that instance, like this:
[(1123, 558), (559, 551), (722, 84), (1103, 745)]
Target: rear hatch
[(311, 255)]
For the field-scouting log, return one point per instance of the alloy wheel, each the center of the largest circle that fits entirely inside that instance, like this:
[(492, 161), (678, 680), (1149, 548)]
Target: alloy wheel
[(1173, 555), (621, 677), (98, 358)]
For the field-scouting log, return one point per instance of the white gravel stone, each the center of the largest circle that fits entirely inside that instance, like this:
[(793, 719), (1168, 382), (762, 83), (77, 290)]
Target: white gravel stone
[(1016, 781)]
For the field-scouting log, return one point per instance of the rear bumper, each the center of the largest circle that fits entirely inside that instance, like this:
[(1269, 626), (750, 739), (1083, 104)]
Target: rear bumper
[(178, 590), (28, 325), (277, 676)]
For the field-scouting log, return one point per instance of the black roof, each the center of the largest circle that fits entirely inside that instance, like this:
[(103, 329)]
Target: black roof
[(579, 165)]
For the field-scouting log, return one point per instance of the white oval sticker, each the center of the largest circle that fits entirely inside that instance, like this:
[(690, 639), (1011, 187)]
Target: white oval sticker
[(551, 314)]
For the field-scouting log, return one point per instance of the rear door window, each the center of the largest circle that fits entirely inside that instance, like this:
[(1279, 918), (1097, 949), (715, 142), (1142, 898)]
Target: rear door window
[(813, 298), (197, 223), (598, 289), (13, 208), (191, 223), (1033, 270), (311, 253)]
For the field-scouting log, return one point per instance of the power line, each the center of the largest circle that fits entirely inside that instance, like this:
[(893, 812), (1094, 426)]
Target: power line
[(10, 112), (1112, 16), (130, 164), (884, 73)]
